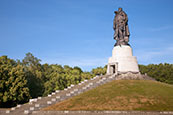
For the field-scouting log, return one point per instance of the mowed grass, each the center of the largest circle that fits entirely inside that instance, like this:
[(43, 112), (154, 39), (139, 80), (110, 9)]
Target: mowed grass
[(122, 95)]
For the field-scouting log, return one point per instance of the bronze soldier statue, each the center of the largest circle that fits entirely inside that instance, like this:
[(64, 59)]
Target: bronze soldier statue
[(120, 26)]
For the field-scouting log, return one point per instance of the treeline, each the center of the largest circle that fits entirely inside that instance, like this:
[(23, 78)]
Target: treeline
[(22, 80), (28, 78), (161, 72)]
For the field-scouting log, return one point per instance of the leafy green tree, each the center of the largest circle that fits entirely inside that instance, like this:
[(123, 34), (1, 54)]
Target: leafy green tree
[(13, 83), (86, 75), (56, 78), (161, 72), (56, 82), (78, 68), (35, 75), (99, 71), (67, 69), (59, 77)]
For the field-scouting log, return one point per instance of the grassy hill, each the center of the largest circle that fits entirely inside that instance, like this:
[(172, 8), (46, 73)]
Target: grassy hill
[(122, 95)]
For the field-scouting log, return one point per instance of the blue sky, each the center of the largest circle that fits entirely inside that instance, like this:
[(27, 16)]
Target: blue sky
[(80, 32)]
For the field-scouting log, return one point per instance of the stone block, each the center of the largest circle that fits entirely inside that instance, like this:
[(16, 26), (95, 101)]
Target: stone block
[(37, 105), (84, 88), (53, 93), (32, 100), (58, 97), (104, 78), (7, 111), (39, 97), (68, 94), (72, 85), (53, 99), (49, 102), (26, 112), (13, 108), (91, 83), (49, 95), (97, 76), (79, 83), (57, 91), (111, 77), (66, 112), (88, 85), (75, 89), (69, 87), (117, 112), (71, 91), (85, 80), (31, 108), (18, 106)]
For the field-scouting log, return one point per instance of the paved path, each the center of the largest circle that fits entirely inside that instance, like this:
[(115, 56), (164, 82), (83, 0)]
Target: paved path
[(100, 113)]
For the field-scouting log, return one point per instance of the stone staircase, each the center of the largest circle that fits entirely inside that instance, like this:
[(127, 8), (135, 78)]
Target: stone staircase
[(60, 95)]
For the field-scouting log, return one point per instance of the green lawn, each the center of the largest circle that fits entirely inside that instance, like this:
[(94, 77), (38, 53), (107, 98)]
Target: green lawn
[(122, 95)]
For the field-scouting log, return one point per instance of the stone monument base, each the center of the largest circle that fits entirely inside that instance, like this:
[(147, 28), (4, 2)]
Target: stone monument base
[(133, 76), (122, 60)]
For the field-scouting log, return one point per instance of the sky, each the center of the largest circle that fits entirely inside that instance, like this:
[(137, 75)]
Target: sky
[(80, 32)]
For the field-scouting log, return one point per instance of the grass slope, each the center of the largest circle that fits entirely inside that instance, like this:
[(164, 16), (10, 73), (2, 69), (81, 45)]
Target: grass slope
[(122, 95)]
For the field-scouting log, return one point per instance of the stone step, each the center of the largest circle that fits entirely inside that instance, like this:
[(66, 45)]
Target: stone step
[(58, 96)]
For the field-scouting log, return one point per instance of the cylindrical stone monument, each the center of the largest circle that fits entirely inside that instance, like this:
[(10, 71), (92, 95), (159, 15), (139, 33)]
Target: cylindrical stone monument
[(122, 59)]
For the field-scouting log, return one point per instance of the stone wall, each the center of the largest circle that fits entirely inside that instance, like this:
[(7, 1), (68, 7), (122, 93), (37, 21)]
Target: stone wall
[(132, 76)]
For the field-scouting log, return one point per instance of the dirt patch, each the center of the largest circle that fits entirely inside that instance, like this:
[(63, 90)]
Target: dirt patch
[(124, 103), (133, 100), (143, 100)]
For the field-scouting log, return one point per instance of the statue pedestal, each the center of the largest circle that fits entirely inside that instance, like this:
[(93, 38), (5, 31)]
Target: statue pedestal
[(122, 60)]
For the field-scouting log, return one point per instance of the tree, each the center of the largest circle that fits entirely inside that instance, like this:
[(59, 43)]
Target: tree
[(99, 71), (161, 72), (35, 75), (13, 83), (78, 68), (56, 78), (86, 75)]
